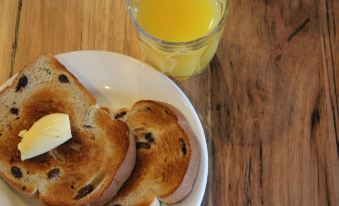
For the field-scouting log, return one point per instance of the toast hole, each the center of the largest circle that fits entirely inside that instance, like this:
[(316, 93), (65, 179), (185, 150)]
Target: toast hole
[(120, 115), (16, 172), (63, 78), (83, 192), (53, 174), (143, 145), (14, 111), (149, 137), (72, 187), (23, 81), (167, 112), (23, 188), (148, 109), (183, 146)]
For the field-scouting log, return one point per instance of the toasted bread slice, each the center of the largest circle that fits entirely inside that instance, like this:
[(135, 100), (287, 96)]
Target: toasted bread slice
[(167, 156), (88, 169)]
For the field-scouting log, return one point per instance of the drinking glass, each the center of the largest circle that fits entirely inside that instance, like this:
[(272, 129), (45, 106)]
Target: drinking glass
[(180, 60)]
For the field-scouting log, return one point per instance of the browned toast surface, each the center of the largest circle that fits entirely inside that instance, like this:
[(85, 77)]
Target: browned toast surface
[(167, 156), (89, 168)]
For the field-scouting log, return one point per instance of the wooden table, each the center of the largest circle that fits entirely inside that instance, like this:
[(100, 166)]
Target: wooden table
[(269, 102)]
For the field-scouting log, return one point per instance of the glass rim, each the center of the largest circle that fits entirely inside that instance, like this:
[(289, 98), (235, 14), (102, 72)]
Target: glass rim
[(193, 42)]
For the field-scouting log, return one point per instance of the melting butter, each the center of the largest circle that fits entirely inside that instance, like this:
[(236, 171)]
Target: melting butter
[(46, 134)]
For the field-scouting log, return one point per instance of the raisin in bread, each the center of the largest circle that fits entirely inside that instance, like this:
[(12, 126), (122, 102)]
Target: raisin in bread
[(88, 169), (167, 156)]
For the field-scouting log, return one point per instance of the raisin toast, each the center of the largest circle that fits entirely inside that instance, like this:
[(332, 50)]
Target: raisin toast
[(86, 170), (167, 155)]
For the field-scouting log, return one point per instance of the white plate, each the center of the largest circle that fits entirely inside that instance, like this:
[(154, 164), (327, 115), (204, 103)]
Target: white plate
[(118, 81)]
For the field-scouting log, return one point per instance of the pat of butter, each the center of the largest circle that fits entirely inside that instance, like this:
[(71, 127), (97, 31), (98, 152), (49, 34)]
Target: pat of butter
[(46, 134), (155, 202)]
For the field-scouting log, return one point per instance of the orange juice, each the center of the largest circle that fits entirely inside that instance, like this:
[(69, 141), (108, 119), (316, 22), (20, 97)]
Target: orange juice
[(178, 20), (179, 37)]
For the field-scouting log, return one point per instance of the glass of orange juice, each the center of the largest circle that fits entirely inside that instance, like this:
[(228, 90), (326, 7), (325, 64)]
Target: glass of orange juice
[(179, 37)]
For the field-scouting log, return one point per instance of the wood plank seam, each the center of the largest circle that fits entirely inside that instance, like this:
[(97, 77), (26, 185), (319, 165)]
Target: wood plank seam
[(15, 42)]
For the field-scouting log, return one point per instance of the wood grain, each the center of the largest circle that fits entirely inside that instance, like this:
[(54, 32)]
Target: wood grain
[(269, 102), (272, 95), (50, 26)]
